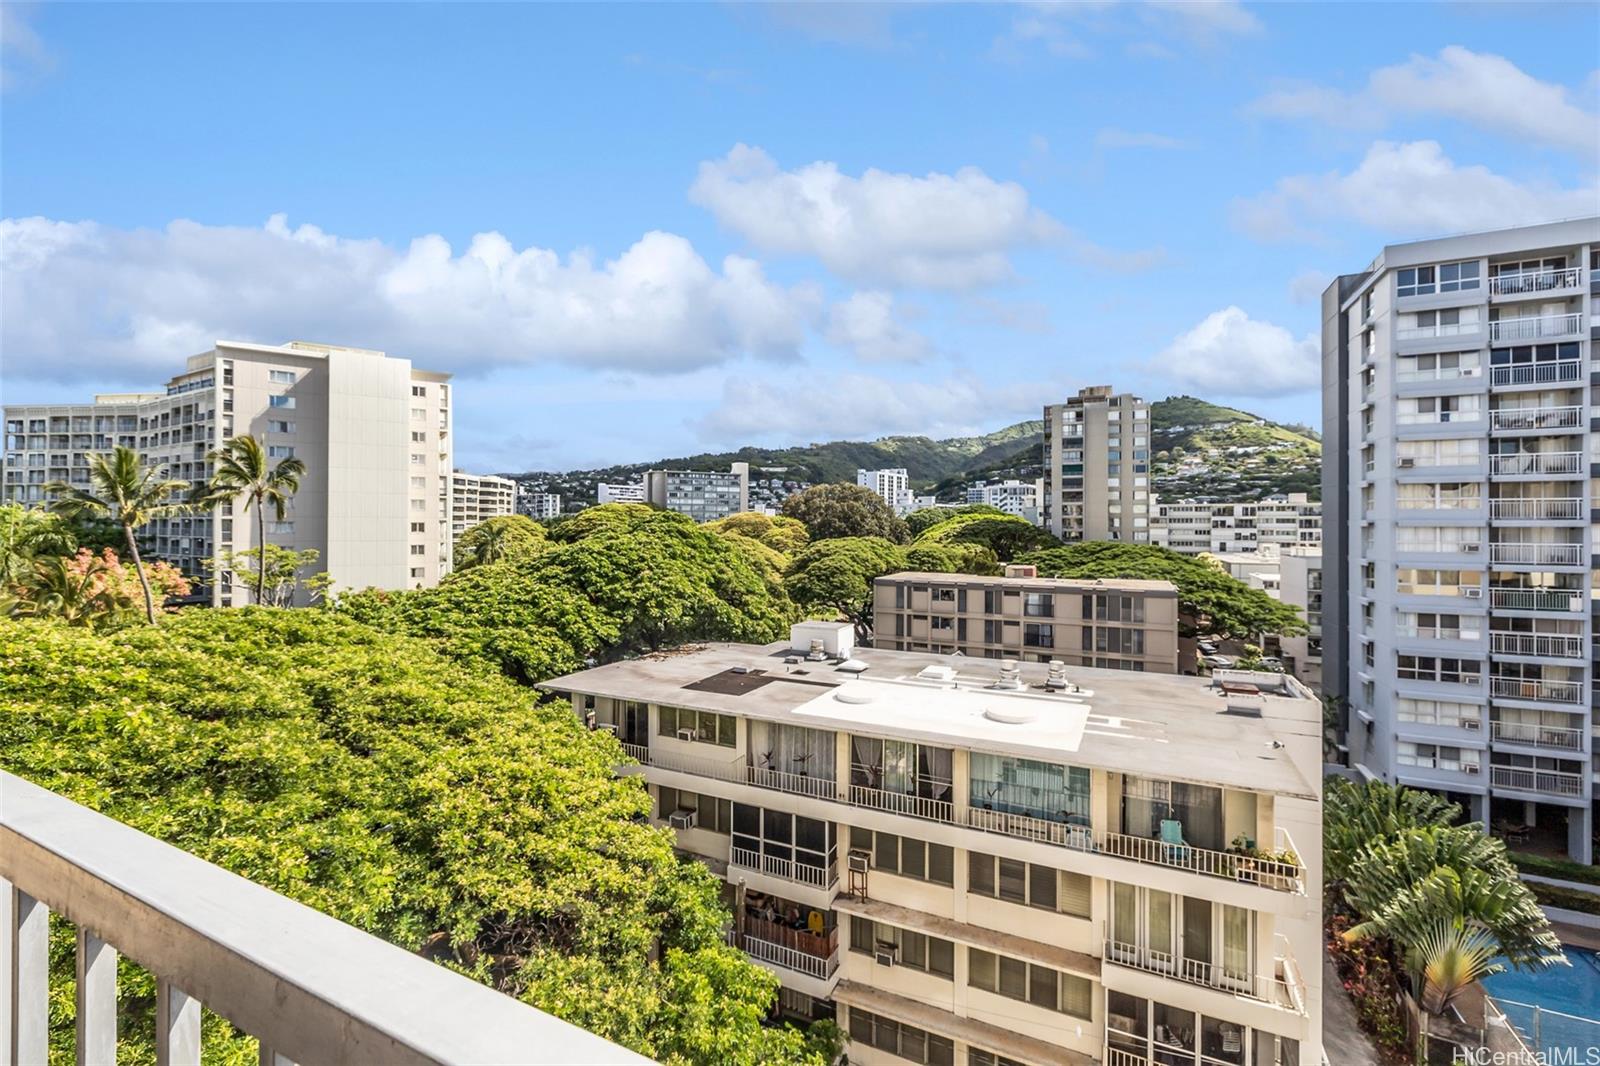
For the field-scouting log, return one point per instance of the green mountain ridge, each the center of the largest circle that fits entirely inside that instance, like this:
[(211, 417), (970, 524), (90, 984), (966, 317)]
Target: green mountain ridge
[(1198, 449)]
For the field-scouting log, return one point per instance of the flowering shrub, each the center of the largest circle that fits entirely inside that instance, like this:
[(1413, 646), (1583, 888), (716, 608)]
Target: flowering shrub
[(94, 591), (1368, 976)]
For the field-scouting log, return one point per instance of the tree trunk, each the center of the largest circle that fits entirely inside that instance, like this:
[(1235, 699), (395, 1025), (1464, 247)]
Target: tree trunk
[(261, 549), (144, 582)]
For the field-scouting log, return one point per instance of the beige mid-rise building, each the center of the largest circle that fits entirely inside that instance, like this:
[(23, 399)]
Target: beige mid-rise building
[(1113, 624), (1097, 467), (476, 498), (977, 863), (373, 431)]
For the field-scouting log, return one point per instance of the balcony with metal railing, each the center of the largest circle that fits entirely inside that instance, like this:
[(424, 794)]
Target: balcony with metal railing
[(1517, 419), (1548, 373), (1535, 283), (1537, 645), (1524, 463), (1561, 601), (798, 950), (1521, 554), (823, 877), (310, 988), (1531, 735), (1538, 508), (1536, 690), (1284, 987), (1524, 779), (1536, 328), (933, 810), (1233, 866)]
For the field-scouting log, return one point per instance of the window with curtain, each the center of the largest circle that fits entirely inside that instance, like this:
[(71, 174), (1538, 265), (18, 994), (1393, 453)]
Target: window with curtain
[(1146, 803), (792, 749), (901, 767), (1049, 791)]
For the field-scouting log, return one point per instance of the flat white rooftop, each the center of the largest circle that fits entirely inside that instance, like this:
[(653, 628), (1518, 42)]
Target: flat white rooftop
[(1155, 725)]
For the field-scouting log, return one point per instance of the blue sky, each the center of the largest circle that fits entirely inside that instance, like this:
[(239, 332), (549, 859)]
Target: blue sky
[(645, 231)]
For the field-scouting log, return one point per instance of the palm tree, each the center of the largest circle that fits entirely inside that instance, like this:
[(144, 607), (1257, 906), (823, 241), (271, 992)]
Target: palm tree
[(79, 595), (131, 495), (242, 469)]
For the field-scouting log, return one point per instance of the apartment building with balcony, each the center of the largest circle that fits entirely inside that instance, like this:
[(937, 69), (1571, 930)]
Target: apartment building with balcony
[(1097, 467), (893, 486), (1300, 585), (703, 495), (1459, 441), (970, 862), (1020, 498), (477, 498), (629, 493), (374, 432), (1110, 624), (538, 505), (1282, 522)]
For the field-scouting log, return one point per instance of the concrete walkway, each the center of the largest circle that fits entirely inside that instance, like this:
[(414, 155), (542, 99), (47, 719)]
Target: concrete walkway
[(1342, 1039)]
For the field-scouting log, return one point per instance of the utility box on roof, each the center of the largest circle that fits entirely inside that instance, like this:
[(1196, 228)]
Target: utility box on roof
[(838, 638)]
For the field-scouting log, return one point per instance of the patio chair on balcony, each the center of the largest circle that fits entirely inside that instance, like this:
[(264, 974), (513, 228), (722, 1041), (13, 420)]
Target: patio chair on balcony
[(1176, 849)]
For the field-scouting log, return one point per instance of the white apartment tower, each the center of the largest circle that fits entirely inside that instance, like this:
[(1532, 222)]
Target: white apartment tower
[(1020, 498), (1459, 418), (1097, 467), (374, 433), (477, 498), (974, 862), (893, 486)]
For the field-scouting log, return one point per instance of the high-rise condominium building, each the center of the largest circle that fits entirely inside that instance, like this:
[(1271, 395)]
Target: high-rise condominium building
[(1113, 624), (1097, 467), (894, 486), (630, 493), (1300, 585), (703, 495), (973, 862), (1021, 498), (374, 433), (1283, 522), (1459, 448), (477, 498), (539, 505)]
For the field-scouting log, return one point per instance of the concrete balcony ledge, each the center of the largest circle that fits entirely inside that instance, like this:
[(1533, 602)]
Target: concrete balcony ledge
[(311, 988)]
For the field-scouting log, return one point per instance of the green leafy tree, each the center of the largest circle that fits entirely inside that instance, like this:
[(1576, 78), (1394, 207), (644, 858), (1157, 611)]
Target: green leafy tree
[(286, 571), (784, 535), (505, 538), (939, 558), (920, 520), (131, 495), (27, 534), (832, 511), (85, 589), (837, 574), (242, 468), (1007, 536), (368, 776), (1212, 601)]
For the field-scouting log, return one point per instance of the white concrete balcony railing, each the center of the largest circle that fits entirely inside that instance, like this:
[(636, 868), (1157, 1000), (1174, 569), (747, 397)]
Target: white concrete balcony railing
[(1232, 866), (738, 773), (1538, 508), (900, 803), (1442, 373), (1541, 418), (1115, 1056), (1043, 830), (1523, 284), (824, 877), (1525, 688), (1556, 738), (310, 988), (1536, 373), (1544, 327), (1511, 554), (639, 753), (1562, 601), (1540, 645), (1536, 463), (1282, 988), (1521, 779)]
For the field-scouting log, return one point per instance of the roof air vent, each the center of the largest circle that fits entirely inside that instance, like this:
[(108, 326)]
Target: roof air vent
[(817, 653), (1010, 675), (1057, 679), (1011, 715), (846, 695), (852, 666)]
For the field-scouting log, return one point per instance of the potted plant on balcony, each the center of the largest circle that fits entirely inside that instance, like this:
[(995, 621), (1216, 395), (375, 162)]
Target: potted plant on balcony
[(1242, 852)]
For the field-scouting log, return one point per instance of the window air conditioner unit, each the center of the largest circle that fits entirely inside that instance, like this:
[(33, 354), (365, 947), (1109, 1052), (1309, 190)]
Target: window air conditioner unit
[(686, 734), (1471, 723), (859, 862), (1472, 547), (683, 819), (606, 727), (1470, 768), (1471, 371), (1407, 464), (1472, 593), (885, 953)]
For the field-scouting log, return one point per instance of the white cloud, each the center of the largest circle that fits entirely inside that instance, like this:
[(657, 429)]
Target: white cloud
[(867, 325), (81, 299), (1209, 18), (864, 406), (1411, 189), (22, 52), (1308, 286), (942, 230), (1197, 22), (1479, 88), (1111, 137), (1230, 354)]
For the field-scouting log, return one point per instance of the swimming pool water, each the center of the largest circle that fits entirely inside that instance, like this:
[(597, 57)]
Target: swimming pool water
[(1572, 991)]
